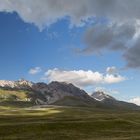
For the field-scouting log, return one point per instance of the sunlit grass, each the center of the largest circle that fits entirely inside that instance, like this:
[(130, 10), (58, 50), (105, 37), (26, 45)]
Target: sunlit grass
[(68, 123), (4, 111), (13, 95)]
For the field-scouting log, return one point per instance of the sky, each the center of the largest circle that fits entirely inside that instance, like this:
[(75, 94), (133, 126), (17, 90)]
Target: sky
[(94, 44)]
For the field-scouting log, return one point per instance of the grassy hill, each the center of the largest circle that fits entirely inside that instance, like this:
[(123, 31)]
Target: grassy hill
[(13, 95), (20, 120), (74, 101), (15, 98), (68, 123)]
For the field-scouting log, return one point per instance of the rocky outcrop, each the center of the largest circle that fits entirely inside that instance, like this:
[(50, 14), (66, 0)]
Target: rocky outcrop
[(58, 90)]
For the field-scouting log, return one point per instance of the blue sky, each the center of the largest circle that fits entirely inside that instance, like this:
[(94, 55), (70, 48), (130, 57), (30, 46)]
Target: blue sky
[(40, 49)]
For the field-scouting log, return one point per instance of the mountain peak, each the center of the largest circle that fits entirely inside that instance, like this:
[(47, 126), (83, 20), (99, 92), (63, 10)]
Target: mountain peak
[(6, 83), (21, 83), (101, 96), (24, 82), (61, 93), (60, 83)]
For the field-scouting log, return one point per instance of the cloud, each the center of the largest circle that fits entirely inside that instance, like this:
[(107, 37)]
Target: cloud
[(112, 70), (110, 78), (102, 37), (132, 56), (119, 34), (45, 12), (82, 78), (35, 70), (107, 91), (135, 100), (115, 37)]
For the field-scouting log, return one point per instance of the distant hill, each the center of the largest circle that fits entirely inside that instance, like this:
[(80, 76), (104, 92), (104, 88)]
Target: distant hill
[(110, 102), (56, 93)]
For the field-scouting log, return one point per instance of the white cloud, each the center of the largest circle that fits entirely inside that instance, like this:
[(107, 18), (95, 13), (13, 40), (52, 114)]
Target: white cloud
[(82, 78), (112, 70), (110, 78), (107, 91), (35, 70), (135, 100)]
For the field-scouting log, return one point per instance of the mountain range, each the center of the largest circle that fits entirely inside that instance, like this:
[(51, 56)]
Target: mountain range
[(56, 93)]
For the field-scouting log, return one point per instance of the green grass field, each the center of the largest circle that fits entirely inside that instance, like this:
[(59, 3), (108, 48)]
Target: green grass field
[(8, 95), (65, 123)]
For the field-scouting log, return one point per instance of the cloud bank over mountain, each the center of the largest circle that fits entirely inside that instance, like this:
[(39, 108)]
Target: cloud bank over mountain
[(82, 78)]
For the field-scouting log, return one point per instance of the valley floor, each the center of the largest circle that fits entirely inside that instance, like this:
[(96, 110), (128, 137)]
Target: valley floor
[(68, 123)]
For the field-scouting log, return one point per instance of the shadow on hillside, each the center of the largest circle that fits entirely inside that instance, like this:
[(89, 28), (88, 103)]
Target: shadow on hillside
[(71, 123)]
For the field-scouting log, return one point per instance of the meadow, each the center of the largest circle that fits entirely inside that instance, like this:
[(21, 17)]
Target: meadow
[(68, 123)]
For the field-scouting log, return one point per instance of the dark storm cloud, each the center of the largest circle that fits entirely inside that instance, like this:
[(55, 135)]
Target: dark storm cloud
[(112, 37), (132, 56), (46, 12)]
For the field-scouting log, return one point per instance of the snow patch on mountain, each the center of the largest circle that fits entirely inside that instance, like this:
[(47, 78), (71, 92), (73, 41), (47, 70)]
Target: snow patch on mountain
[(16, 84), (101, 96)]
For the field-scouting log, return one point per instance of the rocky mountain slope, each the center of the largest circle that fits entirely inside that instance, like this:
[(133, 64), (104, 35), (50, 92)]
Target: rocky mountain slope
[(110, 102), (56, 93), (45, 94)]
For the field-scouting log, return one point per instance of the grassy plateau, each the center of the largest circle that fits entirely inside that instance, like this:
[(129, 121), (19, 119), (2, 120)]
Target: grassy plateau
[(21, 120), (68, 123)]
